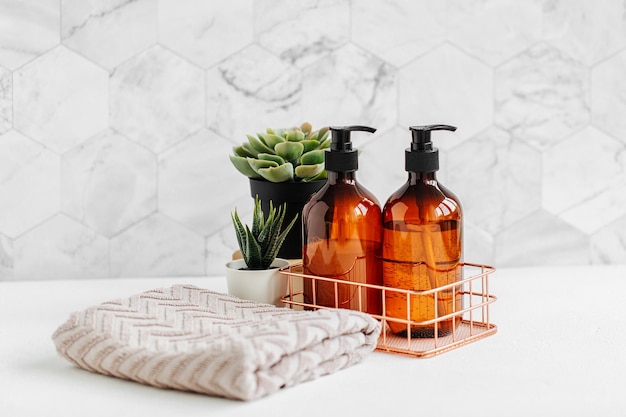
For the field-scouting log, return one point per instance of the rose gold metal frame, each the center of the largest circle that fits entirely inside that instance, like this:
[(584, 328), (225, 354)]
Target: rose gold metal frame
[(474, 324)]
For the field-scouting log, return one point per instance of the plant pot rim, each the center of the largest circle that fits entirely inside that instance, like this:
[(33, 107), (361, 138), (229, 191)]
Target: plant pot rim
[(235, 264)]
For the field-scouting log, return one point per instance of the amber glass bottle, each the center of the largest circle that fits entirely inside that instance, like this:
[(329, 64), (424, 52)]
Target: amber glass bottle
[(342, 233), (422, 242)]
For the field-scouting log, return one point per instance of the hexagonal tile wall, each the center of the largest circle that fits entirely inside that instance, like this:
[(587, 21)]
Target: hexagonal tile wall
[(60, 99), (30, 27), (304, 45), (507, 27), (61, 247), (190, 175), (29, 183), (496, 177), (6, 259), (6, 100), (587, 31), (446, 86), (542, 95), (157, 99), (351, 85), (197, 29), (608, 244), (108, 183), (541, 239), (567, 181), (398, 31), (608, 96), (250, 91), (157, 246), (108, 32)]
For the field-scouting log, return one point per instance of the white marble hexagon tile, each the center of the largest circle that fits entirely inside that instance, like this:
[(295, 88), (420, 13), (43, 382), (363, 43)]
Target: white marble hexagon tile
[(116, 119)]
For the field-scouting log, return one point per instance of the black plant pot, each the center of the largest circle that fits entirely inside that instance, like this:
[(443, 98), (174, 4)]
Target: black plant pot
[(295, 194)]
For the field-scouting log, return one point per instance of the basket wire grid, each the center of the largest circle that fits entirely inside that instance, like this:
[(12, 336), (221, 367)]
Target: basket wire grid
[(470, 321)]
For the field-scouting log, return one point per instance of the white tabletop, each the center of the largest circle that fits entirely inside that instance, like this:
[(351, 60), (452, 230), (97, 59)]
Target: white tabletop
[(560, 350)]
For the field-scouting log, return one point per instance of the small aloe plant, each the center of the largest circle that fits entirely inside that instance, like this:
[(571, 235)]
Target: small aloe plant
[(260, 245), (284, 155)]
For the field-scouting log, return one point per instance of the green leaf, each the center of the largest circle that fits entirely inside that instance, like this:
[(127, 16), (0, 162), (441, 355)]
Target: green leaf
[(258, 164), (258, 145), (271, 140), (313, 157), (308, 171), (282, 173), (295, 136), (250, 150), (290, 151), (271, 157), (243, 166), (310, 145), (241, 151)]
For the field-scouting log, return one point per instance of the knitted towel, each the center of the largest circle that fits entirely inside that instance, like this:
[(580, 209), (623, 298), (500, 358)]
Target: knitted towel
[(191, 339)]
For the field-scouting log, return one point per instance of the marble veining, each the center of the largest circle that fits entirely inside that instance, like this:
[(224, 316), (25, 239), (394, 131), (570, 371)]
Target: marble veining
[(368, 87), (608, 96), (191, 180), (197, 29), (29, 183), (60, 99), (250, 91), (117, 118), (157, 246), (108, 32), (6, 100), (447, 85), (29, 28), (274, 19), (142, 97), (490, 177), (108, 183), (398, 31), (542, 95), (61, 248)]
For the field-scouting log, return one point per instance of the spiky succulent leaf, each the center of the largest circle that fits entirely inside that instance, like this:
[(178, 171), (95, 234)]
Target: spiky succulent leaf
[(282, 173), (260, 245)]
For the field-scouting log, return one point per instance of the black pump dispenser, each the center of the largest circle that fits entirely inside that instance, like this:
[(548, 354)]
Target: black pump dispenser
[(341, 157), (421, 156)]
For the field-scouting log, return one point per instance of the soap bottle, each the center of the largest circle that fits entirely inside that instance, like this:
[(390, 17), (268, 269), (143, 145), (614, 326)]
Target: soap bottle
[(422, 242), (342, 233)]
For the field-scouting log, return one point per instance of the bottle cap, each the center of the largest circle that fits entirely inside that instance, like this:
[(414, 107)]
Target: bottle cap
[(341, 157), (421, 156)]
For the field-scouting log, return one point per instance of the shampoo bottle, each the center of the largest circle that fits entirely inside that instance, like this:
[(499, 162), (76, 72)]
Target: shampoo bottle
[(422, 243), (342, 233)]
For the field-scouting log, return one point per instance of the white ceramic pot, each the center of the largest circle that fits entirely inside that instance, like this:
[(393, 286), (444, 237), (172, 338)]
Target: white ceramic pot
[(263, 286)]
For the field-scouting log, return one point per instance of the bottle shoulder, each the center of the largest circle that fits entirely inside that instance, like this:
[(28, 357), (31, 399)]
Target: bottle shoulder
[(422, 202)]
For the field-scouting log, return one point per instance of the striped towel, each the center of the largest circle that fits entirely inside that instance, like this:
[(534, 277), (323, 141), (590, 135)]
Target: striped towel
[(191, 339)]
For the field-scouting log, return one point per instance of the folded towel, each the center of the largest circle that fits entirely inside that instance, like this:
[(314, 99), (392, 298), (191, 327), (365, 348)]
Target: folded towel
[(191, 339)]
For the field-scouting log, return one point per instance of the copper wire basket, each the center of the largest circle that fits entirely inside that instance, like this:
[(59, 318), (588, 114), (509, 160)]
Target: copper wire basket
[(469, 318)]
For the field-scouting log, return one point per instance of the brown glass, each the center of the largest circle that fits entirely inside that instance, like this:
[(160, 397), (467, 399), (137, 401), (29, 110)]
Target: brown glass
[(422, 249), (342, 237)]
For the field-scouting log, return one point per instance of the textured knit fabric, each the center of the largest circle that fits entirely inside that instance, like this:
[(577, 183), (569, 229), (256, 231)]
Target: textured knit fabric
[(191, 339)]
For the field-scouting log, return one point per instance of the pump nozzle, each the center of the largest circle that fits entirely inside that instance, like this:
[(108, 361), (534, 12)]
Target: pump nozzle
[(421, 156), (341, 157)]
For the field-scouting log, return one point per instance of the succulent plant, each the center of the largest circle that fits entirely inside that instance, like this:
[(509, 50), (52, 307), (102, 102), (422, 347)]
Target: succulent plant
[(260, 245), (283, 155)]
